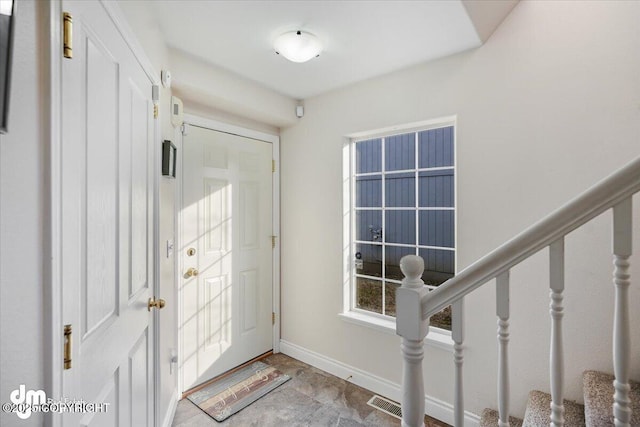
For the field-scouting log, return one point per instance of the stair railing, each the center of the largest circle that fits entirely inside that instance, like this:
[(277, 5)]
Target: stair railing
[(416, 304)]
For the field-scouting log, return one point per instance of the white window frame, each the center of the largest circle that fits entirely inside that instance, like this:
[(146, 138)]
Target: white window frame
[(437, 337)]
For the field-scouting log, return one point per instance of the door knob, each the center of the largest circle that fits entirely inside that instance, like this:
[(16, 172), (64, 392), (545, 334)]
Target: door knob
[(191, 272), (159, 304)]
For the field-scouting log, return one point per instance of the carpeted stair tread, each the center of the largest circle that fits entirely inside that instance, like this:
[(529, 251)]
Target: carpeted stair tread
[(598, 399), (489, 418), (539, 410)]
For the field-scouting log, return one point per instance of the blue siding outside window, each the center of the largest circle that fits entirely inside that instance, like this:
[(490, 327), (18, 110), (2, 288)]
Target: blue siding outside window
[(396, 253), (400, 152), (369, 191), (372, 256), (436, 188), (369, 156), (436, 260), (368, 226), (400, 190), (403, 204), (400, 227), (436, 229), (435, 147)]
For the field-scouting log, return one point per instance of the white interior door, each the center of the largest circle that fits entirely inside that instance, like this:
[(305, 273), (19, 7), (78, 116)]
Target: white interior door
[(107, 223), (226, 252)]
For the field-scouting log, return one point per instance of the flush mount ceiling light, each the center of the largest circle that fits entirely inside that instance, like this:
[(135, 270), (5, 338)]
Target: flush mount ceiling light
[(298, 46)]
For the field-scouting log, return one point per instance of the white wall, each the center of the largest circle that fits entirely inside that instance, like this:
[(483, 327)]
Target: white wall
[(548, 106), (23, 210), (207, 84)]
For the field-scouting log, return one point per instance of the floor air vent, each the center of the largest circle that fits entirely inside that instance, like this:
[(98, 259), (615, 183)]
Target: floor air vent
[(386, 406)]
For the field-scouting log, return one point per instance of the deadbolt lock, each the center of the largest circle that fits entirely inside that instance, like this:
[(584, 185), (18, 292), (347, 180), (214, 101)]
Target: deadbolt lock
[(159, 304), (191, 272), (191, 252)]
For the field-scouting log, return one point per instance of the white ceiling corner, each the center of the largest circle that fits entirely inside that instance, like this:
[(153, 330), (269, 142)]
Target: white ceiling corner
[(362, 39)]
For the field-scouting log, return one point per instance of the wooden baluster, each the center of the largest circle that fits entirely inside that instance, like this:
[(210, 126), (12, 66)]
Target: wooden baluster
[(502, 311), (413, 329), (457, 334), (412, 383), (622, 227), (556, 310)]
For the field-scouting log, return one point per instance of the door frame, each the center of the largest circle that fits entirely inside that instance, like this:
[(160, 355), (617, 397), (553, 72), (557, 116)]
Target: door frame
[(215, 125), (52, 299)]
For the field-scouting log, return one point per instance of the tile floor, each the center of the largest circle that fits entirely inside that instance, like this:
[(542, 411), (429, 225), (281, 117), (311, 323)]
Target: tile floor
[(311, 398)]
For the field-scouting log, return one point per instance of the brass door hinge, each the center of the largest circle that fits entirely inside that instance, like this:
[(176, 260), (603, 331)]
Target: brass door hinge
[(273, 242), (67, 346), (273, 318), (273, 166), (155, 111), (67, 35)]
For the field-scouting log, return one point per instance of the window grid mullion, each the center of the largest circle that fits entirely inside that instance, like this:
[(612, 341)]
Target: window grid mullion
[(352, 184), (402, 245), (417, 192), (401, 171), (366, 276), (384, 220), (400, 208)]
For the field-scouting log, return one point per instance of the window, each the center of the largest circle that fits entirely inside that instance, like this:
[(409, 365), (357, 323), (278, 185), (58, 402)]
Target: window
[(402, 202)]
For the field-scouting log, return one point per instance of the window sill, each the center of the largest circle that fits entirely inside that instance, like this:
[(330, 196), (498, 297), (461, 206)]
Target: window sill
[(438, 338)]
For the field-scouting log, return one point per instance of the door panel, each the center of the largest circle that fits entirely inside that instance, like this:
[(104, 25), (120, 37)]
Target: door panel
[(226, 218), (216, 298), (108, 394), (100, 185), (249, 225), (217, 215), (139, 382), (139, 212), (107, 220), (249, 300)]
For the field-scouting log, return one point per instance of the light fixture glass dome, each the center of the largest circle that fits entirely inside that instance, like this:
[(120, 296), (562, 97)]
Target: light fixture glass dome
[(298, 46)]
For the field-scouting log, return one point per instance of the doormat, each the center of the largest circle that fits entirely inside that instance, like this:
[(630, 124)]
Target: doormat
[(231, 394)]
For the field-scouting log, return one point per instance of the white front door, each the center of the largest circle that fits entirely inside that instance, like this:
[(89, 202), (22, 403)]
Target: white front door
[(107, 223), (226, 252)]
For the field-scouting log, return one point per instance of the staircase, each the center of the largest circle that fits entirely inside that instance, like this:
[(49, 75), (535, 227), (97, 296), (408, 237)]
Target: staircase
[(609, 400), (596, 411)]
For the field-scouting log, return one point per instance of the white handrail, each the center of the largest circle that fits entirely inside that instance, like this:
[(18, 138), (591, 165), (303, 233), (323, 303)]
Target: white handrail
[(602, 196)]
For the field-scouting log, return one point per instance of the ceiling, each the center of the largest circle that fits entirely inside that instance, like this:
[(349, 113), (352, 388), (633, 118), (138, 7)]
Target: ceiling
[(362, 39)]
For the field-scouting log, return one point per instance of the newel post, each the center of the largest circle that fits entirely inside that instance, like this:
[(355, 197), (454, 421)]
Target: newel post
[(413, 329)]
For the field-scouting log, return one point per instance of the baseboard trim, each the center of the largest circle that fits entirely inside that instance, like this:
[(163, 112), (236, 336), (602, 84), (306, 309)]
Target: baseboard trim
[(435, 408), (171, 410)]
